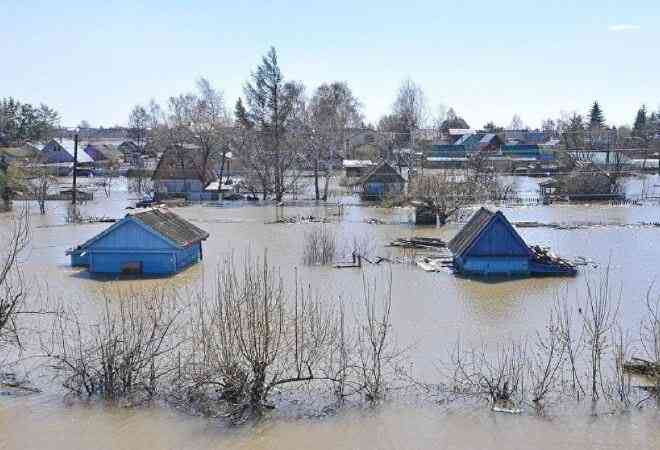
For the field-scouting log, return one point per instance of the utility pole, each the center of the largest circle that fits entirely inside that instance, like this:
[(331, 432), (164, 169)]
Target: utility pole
[(75, 166)]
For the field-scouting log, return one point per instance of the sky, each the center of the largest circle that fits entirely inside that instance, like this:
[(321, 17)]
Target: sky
[(487, 59)]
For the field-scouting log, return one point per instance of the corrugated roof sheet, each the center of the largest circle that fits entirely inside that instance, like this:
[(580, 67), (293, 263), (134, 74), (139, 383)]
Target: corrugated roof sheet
[(462, 241), (173, 227)]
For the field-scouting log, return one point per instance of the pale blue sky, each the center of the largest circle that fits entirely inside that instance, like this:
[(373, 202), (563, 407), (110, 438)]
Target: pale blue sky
[(488, 59)]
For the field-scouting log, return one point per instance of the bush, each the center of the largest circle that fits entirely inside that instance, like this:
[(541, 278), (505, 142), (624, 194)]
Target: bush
[(319, 246)]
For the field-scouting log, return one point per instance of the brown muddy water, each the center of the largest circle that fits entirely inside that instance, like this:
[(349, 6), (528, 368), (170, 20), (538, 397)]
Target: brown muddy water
[(430, 310)]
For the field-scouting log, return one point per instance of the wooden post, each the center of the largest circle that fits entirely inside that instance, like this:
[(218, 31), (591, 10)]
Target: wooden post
[(75, 167)]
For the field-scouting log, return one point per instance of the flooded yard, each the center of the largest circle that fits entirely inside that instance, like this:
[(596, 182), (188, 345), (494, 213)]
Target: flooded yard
[(429, 312)]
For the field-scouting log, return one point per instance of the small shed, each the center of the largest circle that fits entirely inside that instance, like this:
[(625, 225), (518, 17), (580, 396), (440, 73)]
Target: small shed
[(488, 245), (381, 181), (356, 167), (154, 242)]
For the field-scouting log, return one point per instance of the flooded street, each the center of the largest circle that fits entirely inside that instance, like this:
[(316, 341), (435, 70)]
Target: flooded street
[(429, 312)]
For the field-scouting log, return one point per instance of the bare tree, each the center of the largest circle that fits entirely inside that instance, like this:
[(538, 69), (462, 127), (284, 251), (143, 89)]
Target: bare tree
[(546, 361), (138, 123), (125, 354), (376, 352), (319, 245), (621, 351), (571, 335), (13, 290), (650, 340), (600, 315), (253, 336), (496, 375), (444, 193), (410, 106), (516, 123), (39, 183), (332, 111), (198, 122)]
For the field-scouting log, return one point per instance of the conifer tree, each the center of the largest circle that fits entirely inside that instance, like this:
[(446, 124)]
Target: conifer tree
[(241, 114), (639, 127), (596, 117)]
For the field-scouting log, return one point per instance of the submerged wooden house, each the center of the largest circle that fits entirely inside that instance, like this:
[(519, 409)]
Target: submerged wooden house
[(381, 181), (184, 173), (489, 245), (153, 242)]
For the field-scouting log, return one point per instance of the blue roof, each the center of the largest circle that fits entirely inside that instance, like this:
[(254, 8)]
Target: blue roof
[(448, 150), (528, 150), (535, 137)]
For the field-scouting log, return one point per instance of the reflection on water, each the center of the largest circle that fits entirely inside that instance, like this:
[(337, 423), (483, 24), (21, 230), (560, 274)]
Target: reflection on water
[(430, 310)]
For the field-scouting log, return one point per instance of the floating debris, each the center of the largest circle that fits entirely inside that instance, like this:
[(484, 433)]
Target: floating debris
[(10, 384), (419, 243), (544, 258), (640, 366), (584, 225), (300, 219)]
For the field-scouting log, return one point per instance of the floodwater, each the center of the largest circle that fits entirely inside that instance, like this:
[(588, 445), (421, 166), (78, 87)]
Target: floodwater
[(430, 311)]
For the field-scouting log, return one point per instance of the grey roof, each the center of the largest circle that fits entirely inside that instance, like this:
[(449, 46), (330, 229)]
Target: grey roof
[(462, 241), (173, 227)]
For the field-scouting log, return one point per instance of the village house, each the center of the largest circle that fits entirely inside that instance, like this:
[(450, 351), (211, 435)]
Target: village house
[(55, 153), (381, 181), (184, 173), (489, 245), (103, 153), (154, 242)]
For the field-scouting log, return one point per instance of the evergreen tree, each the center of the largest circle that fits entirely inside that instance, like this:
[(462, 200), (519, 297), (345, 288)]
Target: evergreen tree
[(492, 128), (639, 128), (275, 107), (241, 114), (596, 117)]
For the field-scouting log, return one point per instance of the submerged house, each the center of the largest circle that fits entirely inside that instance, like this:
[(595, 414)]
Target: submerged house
[(184, 173), (55, 153), (381, 181), (154, 242), (488, 245)]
